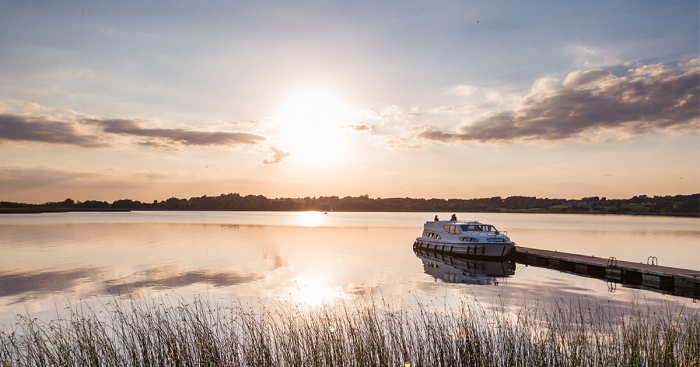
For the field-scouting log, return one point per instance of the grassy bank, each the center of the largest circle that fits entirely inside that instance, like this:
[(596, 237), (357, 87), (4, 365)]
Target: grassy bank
[(167, 332)]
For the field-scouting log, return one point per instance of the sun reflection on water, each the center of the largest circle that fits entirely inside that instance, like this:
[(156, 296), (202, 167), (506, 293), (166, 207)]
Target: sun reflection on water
[(312, 293), (310, 219)]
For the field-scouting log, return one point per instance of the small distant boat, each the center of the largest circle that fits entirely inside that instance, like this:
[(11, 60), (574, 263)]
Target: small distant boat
[(464, 238)]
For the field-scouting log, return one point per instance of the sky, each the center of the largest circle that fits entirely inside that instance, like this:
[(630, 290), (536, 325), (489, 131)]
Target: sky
[(442, 99)]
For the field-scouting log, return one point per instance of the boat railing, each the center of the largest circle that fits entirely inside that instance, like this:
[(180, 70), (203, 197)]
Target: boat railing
[(494, 233)]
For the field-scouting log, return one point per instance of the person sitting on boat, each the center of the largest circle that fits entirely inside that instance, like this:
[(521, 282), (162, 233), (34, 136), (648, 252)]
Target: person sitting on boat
[(454, 217), (436, 218)]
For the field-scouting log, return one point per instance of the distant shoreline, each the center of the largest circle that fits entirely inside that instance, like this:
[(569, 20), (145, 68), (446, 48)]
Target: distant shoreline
[(677, 205), (519, 211), (34, 210)]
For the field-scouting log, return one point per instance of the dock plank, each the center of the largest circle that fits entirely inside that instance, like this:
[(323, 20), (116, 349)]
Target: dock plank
[(599, 261)]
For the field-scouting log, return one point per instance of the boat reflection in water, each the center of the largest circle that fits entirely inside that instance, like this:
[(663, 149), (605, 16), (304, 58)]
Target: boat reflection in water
[(453, 269)]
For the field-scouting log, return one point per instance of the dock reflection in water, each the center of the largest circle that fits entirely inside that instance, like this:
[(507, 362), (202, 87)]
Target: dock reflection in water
[(474, 270), (464, 270)]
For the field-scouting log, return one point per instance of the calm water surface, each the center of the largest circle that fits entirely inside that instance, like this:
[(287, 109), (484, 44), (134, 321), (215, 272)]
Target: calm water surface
[(59, 258)]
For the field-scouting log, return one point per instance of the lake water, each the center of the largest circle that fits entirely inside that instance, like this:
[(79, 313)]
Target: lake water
[(52, 259)]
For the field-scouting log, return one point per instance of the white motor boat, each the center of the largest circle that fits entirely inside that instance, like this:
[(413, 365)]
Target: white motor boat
[(464, 238)]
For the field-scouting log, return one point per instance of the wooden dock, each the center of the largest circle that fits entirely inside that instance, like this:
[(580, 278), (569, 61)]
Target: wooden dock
[(679, 282)]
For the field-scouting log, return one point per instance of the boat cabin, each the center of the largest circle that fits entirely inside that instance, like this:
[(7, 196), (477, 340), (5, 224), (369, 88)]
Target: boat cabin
[(475, 227)]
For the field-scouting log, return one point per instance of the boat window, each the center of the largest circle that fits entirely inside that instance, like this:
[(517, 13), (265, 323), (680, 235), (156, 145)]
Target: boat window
[(432, 235), (452, 229), (476, 227)]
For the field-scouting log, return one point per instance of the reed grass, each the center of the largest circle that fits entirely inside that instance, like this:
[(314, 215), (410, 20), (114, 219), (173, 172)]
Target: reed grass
[(168, 331)]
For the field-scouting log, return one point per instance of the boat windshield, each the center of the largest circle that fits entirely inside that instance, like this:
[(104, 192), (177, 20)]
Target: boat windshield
[(477, 228)]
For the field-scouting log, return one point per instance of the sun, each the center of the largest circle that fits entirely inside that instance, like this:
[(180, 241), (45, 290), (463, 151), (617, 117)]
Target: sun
[(312, 124)]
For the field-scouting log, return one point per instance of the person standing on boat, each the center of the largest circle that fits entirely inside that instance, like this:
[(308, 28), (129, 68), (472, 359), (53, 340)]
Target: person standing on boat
[(454, 217)]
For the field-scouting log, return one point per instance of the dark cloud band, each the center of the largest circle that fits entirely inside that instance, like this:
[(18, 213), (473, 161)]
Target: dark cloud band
[(648, 99), (179, 136), (44, 130), (41, 129)]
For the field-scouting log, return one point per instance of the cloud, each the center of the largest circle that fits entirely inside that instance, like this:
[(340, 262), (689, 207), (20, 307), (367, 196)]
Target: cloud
[(152, 175), (650, 98), (168, 277), (159, 145), (466, 89), (42, 184), (595, 58), (12, 177), (73, 129), (44, 130), (406, 140), (456, 109), (43, 282), (371, 114), (172, 276), (389, 113), (691, 63), (251, 123), (583, 78), (178, 136), (278, 156), (359, 127), (36, 284), (278, 261)]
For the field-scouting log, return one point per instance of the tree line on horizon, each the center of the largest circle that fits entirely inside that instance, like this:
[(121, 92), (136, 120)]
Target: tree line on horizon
[(678, 204)]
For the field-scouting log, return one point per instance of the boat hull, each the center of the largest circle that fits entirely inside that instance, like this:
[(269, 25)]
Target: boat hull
[(491, 250)]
